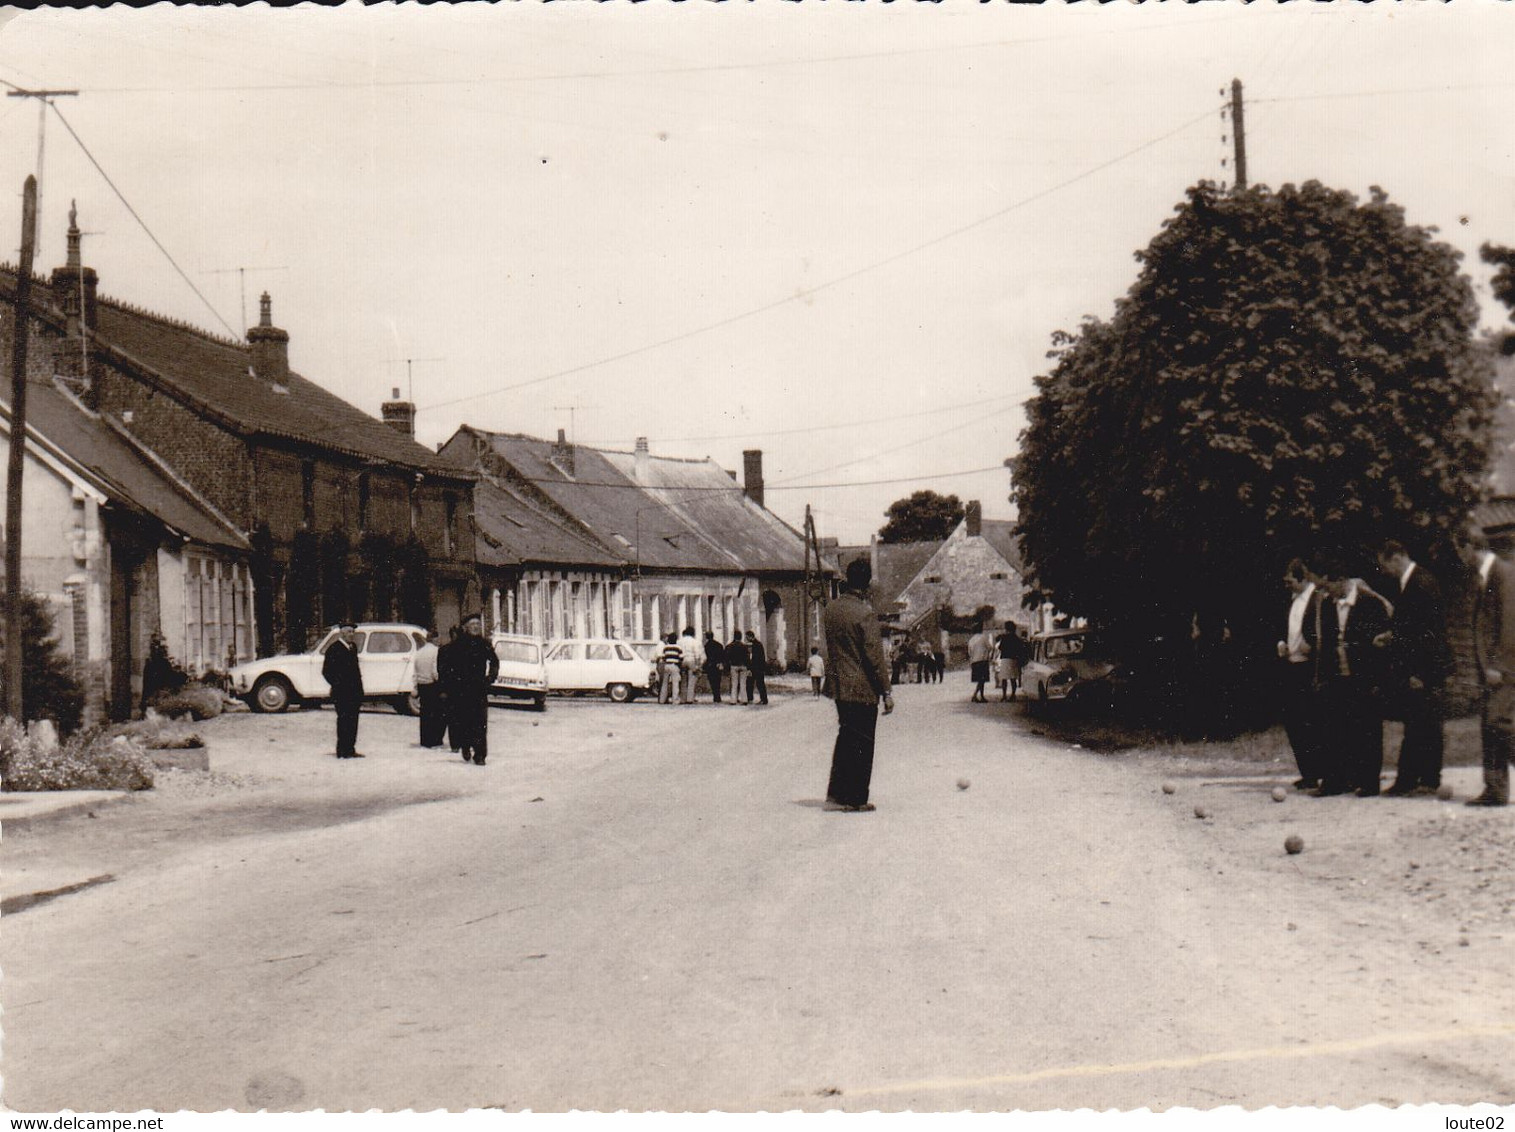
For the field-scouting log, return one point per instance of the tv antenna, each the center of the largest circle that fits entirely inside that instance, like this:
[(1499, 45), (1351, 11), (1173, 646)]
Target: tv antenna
[(241, 274)]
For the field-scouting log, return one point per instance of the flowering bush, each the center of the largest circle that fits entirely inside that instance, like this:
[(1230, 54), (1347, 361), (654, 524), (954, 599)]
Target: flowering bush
[(87, 760), (194, 700)]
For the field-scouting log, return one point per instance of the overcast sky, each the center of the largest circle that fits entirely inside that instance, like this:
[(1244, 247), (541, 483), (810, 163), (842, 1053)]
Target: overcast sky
[(841, 233)]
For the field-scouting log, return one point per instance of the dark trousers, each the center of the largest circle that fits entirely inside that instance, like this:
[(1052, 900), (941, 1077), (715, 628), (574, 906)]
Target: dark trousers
[(469, 719), (713, 677), (1351, 736), (347, 724), (433, 714), (815, 685), (852, 757), (1424, 746), (1300, 718), (1498, 738), (759, 684)]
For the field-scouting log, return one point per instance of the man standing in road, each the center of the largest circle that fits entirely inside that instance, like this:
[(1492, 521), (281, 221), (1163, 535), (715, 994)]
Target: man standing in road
[(715, 664), (857, 677), (691, 660), (1494, 657), (340, 669), (669, 663), (429, 691), (1297, 649), (473, 669), (1421, 662), (757, 657), (1351, 673), (979, 650), (736, 660)]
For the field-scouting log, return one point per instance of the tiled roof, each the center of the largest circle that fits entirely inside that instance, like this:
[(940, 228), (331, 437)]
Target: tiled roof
[(1000, 534), (898, 564), (213, 375), (512, 532), (121, 468)]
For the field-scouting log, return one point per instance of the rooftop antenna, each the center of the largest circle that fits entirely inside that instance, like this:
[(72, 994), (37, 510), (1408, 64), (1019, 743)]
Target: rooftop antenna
[(241, 273), (410, 381), (571, 410), (44, 100)]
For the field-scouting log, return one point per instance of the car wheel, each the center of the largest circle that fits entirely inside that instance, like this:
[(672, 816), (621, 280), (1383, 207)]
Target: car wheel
[(409, 704), (540, 703), (619, 693), (272, 694)]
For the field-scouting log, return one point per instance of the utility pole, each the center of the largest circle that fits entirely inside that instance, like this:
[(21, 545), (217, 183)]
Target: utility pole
[(44, 100), (1239, 134), (17, 463)]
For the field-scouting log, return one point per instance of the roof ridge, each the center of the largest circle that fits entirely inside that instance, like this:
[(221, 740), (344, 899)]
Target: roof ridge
[(169, 320)]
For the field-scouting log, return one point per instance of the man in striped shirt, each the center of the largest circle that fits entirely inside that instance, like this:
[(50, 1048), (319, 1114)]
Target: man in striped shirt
[(672, 661)]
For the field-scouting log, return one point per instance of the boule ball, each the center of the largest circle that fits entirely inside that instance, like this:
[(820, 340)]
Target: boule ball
[(1201, 812), (1169, 788), (963, 784), (1293, 844), (1444, 792), (1279, 794)]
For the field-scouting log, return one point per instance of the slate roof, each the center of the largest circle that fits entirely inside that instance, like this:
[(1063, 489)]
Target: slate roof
[(123, 471), (513, 532), (212, 375), (1000, 534)]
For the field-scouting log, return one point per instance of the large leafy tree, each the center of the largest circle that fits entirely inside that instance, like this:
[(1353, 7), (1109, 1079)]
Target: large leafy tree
[(1290, 369), (923, 516)]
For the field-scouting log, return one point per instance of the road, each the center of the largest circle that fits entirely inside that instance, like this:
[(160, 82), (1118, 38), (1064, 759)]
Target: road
[(645, 907)]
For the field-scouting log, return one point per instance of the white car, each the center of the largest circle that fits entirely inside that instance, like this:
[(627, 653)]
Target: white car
[(523, 673), (598, 664), (386, 655)]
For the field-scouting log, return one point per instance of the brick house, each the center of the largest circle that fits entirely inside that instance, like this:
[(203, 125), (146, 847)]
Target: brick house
[(689, 546), (345, 514)]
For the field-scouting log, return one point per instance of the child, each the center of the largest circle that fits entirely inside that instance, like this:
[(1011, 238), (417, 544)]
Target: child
[(817, 668)]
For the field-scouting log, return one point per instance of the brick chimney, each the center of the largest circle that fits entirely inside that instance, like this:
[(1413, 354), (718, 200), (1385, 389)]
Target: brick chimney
[(269, 345), (73, 278), (399, 415), (562, 453), (643, 460), (974, 519), (752, 475)]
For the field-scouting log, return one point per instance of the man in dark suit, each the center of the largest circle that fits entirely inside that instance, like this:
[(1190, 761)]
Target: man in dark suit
[(472, 669), (1420, 661), (715, 664), (1494, 657), (341, 670), (857, 678), (1298, 650), (757, 657), (1349, 676)]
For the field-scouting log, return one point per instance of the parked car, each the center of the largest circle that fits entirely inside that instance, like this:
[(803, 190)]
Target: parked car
[(1068, 664), (523, 671), (386, 655), (598, 664)]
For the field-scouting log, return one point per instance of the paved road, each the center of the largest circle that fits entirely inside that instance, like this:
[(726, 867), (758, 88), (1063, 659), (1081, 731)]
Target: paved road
[(645, 907)]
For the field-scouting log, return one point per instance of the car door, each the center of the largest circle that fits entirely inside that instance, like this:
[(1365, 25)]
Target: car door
[(565, 665), (320, 689), (388, 662)]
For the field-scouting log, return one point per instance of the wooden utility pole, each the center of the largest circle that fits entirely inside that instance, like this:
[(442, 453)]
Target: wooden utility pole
[(44, 100), (17, 464), (1239, 134)]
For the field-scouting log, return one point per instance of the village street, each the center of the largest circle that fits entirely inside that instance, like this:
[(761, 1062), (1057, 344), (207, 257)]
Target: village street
[(645, 907)]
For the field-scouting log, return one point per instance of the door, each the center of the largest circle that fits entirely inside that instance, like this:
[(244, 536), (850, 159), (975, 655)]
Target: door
[(388, 662), (565, 664)]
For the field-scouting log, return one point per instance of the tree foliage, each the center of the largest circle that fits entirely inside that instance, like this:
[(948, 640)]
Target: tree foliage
[(49, 689), (1290, 369), (924, 516)]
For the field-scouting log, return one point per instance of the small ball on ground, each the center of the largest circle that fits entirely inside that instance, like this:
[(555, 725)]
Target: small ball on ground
[(1444, 792), (1169, 788), (1293, 844), (1279, 794), (963, 784), (1201, 812)]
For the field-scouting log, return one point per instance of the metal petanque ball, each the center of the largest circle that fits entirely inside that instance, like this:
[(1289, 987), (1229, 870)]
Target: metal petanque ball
[(1293, 844), (1444, 793), (1201, 812), (1279, 794), (1169, 788), (963, 784)]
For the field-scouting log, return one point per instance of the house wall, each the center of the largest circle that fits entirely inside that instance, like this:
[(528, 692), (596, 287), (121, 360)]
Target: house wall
[(965, 569)]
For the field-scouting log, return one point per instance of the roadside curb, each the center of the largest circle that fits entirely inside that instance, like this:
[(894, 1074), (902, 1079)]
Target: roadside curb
[(33, 809)]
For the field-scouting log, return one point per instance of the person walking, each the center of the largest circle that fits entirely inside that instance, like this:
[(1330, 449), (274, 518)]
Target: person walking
[(1298, 650), (671, 661), (736, 660), (857, 678), (340, 669), (757, 657), (816, 666), (691, 660), (1420, 662), (429, 691), (979, 649), (446, 663), (473, 670), (1494, 657), (1350, 674), (1009, 656), (715, 665)]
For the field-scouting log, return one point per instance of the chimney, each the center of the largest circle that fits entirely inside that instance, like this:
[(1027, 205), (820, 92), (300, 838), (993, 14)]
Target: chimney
[(74, 284), (399, 415), (974, 519), (269, 345), (562, 453), (752, 475), (643, 460)]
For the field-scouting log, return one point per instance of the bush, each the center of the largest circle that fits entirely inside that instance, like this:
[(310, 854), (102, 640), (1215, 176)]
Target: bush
[(195, 700), (49, 689), (158, 733), (89, 760)]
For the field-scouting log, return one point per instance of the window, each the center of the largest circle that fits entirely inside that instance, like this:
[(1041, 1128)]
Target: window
[(933, 578), (601, 652), (388, 642), (623, 652), (523, 652), (419, 640), (333, 637), (567, 651), (998, 577)]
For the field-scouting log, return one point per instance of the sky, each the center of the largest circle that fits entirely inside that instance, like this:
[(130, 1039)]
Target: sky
[(841, 233)]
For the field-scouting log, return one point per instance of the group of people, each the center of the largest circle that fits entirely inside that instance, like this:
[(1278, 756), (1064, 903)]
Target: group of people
[(1002, 657), (1352, 655), (910, 659), (684, 657)]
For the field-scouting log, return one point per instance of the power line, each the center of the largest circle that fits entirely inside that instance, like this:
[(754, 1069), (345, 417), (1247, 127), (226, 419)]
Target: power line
[(1383, 93), (1000, 467), (143, 223), (809, 292)]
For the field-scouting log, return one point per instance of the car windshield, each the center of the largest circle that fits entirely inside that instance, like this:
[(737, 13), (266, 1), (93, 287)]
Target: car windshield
[(521, 652), (1065, 646)]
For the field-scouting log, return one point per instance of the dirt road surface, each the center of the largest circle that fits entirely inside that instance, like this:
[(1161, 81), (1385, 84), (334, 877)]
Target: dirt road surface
[(645, 907)]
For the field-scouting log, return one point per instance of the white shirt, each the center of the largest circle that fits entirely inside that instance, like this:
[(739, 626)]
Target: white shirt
[(1296, 643), (694, 655), (1404, 579), (426, 664), (1486, 567), (817, 665)]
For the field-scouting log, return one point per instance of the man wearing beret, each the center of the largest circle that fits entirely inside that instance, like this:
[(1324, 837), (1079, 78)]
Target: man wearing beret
[(472, 671), (341, 670)]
